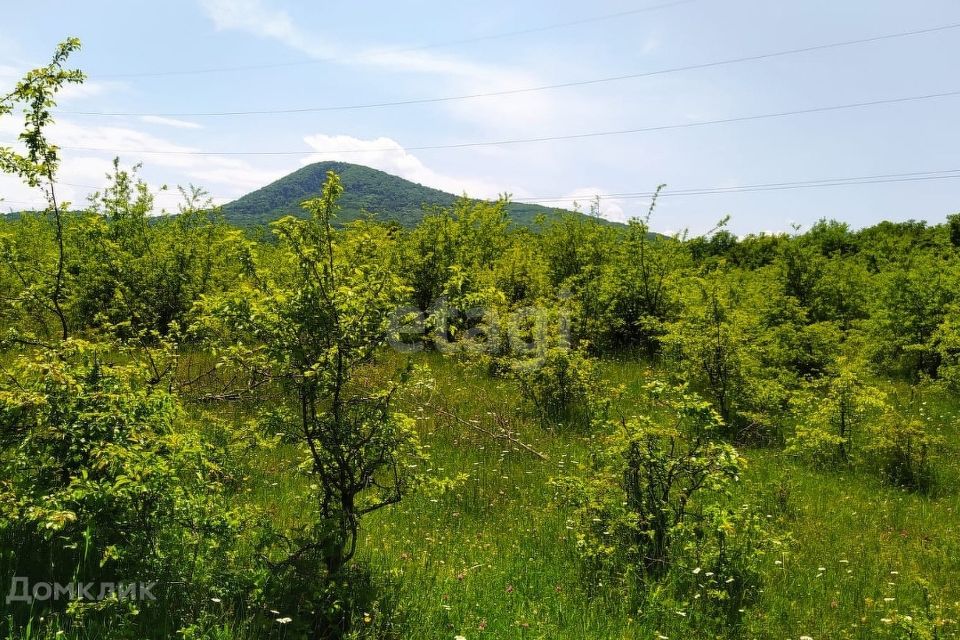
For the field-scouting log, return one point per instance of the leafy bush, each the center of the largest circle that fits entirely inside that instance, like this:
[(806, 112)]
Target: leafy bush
[(653, 506), (910, 308), (713, 343), (833, 414), (904, 451), (946, 341), (562, 386), (101, 479), (142, 274), (637, 502), (636, 291)]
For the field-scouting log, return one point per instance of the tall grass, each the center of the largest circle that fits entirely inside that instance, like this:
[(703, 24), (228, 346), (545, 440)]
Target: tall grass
[(492, 554)]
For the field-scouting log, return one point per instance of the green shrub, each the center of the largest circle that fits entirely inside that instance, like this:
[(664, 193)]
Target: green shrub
[(653, 518), (562, 387), (832, 415), (102, 479), (904, 451)]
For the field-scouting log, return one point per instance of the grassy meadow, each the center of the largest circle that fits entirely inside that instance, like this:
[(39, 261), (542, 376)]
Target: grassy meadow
[(494, 556)]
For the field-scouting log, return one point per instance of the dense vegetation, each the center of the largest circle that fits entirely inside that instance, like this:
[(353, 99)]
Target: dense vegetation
[(367, 193), (468, 428)]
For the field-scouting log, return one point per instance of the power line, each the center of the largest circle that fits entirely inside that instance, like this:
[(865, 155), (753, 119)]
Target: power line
[(770, 186), (423, 47), (572, 136), (522, 90), (883, 178)]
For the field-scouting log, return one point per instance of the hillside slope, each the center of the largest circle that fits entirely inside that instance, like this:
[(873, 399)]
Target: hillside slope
[(366, 190)]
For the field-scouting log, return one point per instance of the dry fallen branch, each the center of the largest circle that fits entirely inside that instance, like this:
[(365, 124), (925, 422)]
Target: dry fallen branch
[(503, 434)]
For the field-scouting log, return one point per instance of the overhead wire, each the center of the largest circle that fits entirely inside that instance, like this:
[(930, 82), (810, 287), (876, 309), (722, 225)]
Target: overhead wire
[(883, 178), (381, 52), (520, 90), (538, 139)]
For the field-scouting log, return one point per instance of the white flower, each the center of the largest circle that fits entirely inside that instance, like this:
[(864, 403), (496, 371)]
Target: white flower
[(284, 620)]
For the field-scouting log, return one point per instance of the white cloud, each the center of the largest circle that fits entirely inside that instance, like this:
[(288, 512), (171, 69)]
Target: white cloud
[(251, 16), (387, 155), (255, 17), (84, 165), (504, 114), (611, 208), (88, 89), (171, 122), (215, 171), (8, 75)]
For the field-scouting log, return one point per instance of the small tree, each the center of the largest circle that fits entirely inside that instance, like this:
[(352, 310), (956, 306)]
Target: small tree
[(953, 224), (712, 342), (654, 488), (320, 319), (140, 275), (38, 167), (834, 413), (637, 290), (912, 303)]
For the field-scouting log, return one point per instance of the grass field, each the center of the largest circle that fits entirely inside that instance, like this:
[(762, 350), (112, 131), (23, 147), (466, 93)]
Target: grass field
[(494, 554)]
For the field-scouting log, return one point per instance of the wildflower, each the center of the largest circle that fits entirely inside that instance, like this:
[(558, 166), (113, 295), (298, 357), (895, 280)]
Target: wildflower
[(284, 620)]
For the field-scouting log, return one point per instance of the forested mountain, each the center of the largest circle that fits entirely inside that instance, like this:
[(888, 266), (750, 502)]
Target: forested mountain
[(368, 190)]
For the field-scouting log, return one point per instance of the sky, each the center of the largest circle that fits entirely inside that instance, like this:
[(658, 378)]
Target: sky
[(168, 65)]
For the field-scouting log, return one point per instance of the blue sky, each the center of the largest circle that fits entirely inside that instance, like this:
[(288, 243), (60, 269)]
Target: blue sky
[(327, 54)]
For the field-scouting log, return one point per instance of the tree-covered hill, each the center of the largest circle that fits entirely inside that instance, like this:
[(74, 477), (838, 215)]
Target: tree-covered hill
[(368, 191)]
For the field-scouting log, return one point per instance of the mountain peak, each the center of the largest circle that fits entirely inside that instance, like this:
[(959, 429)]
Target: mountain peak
[(366, 191)]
